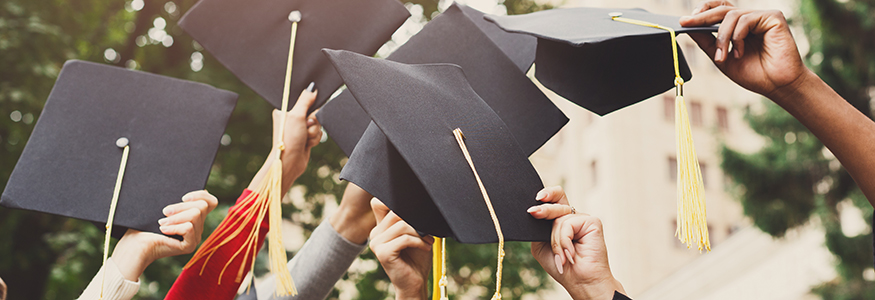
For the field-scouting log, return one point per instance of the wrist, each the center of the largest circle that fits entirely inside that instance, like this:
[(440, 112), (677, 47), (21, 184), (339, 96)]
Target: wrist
[(601, 290), (131, 259), (412, 293), (353, 222), (792, 94)]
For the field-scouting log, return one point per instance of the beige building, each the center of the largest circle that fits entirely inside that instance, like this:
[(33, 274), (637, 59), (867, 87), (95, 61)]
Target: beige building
[(621, 168)]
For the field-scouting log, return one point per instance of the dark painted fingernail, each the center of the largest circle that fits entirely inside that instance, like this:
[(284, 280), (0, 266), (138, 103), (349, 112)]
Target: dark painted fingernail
[(311, 86)]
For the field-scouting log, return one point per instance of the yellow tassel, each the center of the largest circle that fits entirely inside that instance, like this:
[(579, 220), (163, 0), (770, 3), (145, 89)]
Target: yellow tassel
[(692, 226), (265, 199), (439, 269), (691, 222)]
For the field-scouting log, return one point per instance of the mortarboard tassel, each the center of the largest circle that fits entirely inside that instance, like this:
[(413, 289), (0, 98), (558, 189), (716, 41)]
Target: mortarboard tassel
[(460, 138), (265, 199), (692, 225), (121, 143), (439, 269)]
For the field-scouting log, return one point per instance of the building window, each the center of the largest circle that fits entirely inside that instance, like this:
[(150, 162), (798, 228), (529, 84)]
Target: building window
[(668, 107), (673, 169), (722, 118), (593, 172), (696, 113)]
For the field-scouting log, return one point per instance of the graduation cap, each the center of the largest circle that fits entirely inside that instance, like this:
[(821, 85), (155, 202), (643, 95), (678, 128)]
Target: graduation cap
[(71, 162), (116, 146), (607, 59), (251, 38), (597, 62), (457, 147), (495, 62)]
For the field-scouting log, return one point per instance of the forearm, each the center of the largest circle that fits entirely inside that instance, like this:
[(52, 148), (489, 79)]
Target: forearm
[(354, 218), (847, 132), (111, 284), (288, 172)]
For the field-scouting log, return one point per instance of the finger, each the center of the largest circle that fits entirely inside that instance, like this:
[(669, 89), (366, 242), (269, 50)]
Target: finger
[(746, 23), (566, 235), (314, 131), (211, 200), (189, 215), (388, 221), (724, 34), (305, 100), (190, 240), (380, 209), (555, 243), (176, 208), (549, 211), (403, 242), (400, 228), (706, 41), (707, 5), (553, 194), (706, 18)]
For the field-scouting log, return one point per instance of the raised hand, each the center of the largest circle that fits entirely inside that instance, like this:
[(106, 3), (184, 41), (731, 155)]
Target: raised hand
[(763, 57), (404, 255), (576, 256), (137, 249)]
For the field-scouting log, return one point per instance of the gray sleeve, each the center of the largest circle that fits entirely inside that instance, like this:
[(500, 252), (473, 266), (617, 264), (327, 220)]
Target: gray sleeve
[(319, 264)]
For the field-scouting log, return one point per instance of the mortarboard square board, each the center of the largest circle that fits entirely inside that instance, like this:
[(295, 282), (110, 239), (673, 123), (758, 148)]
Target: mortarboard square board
[(494, 61), (251, 39), (417, 107), (71, 161), (598, 63)]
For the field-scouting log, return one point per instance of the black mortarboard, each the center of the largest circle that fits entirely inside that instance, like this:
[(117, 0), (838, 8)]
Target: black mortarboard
[(70, 164), (599, 63), (417, 107), (494, 61), (251, 38)]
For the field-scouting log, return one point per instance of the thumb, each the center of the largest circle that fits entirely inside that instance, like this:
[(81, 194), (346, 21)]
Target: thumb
[(305, 100), (380, 209)]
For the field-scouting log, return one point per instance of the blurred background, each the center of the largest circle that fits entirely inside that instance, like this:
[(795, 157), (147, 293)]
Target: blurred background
[(786, 220)]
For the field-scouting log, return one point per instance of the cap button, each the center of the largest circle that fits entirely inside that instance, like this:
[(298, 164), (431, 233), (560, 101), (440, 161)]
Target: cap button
[(615, 14), (295, 16), (121, 142)]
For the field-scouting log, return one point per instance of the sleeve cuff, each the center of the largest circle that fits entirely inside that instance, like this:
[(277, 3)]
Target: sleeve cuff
[(115, 286)]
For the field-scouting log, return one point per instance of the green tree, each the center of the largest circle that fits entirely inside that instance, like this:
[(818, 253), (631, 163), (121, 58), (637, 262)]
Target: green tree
[(793, 177), (50, 257)]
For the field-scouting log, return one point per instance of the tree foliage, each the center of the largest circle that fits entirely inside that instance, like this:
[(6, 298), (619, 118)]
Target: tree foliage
[(794, 177), (50, 257)]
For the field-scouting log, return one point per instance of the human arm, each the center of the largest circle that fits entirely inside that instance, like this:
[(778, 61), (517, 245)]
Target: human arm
[(765, 60), (354, 218), (404, 255), (576, 256), (136, 249), (301, 133)]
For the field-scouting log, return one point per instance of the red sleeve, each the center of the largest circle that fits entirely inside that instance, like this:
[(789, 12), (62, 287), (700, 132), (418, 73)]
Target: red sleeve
[(192, 285)]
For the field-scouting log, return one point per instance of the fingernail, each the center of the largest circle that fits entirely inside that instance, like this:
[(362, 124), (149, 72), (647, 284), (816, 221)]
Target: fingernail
[(718, 55), (311, 86), (559, 264), (162, 221), (541, 195), (736, 53), (163, 228), (310, 122), (167, 211), (533, 209), (685, 18), (570, 258)]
